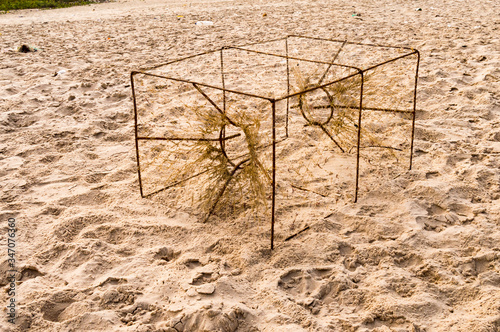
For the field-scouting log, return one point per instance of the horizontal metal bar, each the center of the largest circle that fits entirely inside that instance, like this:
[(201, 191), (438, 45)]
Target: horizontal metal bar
[(259, 148), (391, 60), (381, 147), (352, 43), (201, 84), (294, 58), (364, 108), (188, 138), (319, 86), (263, 42), (180, 59)]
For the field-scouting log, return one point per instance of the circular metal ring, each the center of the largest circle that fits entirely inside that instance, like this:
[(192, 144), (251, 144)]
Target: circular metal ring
[(330, 116)]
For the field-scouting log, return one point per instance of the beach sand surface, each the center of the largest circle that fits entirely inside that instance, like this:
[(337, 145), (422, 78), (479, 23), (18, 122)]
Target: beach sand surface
[(419, 250)]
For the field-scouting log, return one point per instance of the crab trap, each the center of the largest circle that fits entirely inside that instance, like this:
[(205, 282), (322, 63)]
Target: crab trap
[(276, 127)]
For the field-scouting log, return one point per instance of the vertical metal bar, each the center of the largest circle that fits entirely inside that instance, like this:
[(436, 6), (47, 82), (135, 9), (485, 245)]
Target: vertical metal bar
[(222, 79), (223, 131), (287, 86), (136, 133), (359, 135), (414, 109), (273, 204)]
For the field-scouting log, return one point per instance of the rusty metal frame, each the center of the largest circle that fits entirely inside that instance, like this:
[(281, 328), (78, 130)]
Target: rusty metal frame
[(222, 138)]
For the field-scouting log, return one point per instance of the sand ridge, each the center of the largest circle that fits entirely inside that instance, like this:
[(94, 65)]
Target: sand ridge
[(417, 253)]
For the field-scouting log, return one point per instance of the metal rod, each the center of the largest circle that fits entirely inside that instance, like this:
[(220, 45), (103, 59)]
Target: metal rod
[(222, 80), (389, 61), (136, 134), (200, 84), (308, 190), (320, 86), (282, 56), (293, 58), (331, 62), (317, 123), (352, 43), (223, 130), (389, 110), (224, 187), (359, 136), (381, 147), (214, 104), (273, 203), (414, 110), (298, 233), (258, 148), (287, 86), (303, 104), (174, 184), (187, 138), (222, 140), (263, 42), (328, 134), (177, 60)]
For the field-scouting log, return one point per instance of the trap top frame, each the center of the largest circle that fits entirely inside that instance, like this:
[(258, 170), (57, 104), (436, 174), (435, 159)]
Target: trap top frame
[(283, 54)]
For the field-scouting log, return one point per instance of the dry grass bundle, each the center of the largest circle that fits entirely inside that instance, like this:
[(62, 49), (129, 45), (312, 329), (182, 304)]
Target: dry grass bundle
[(228, 181), (335, 110), (337, 104)]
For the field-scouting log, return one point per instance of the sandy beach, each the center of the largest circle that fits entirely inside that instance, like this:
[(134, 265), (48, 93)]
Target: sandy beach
[(419, 251)]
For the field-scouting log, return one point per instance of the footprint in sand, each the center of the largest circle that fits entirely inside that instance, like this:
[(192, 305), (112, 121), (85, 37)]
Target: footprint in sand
[(166, 254), (55, 304), (314, 288)]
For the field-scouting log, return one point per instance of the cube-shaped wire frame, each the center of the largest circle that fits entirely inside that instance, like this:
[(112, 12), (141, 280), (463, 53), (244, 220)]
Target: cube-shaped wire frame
[(216, 79)]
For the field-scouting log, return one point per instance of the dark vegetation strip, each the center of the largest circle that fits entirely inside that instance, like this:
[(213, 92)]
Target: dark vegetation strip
[(6, 5)]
